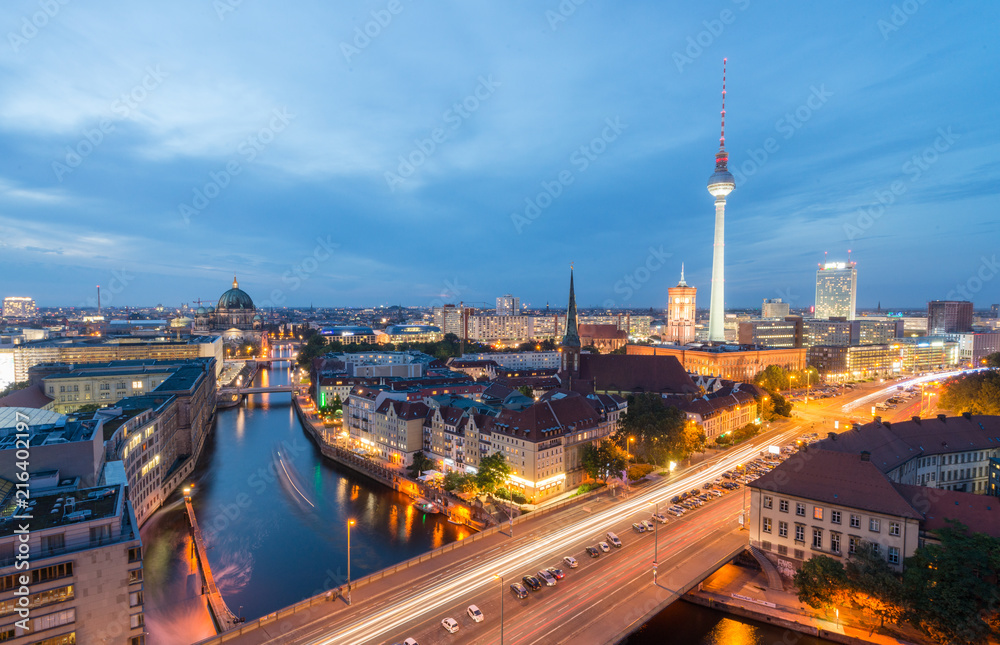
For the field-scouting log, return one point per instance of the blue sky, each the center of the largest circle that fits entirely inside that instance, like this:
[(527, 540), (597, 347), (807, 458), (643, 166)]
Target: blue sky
[(158, 151)]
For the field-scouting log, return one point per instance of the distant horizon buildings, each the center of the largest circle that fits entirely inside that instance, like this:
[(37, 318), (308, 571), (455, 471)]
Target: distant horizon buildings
[(774, 308), (836, 291), (508, 305)]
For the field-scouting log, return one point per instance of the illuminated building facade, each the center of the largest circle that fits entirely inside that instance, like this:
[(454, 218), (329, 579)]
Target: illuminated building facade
[(680, 312), (949, 317), (836, 291), (785, 333), (736, 362), (19, 307), (508, 305), (774, 308)]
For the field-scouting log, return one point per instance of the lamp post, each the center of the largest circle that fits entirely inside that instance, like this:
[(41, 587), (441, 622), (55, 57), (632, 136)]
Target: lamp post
[(628, 446), (350, 523), (500, 578), (656, 539)]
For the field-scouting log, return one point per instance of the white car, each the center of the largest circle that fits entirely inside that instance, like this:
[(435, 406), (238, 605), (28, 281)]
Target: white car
[(570, 562), (604, 546), (410, 641), (450, 625), (648, 525), (547, 578), (475, 614), (660, 517)]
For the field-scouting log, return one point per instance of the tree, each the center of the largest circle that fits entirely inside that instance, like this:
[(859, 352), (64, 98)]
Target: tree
[(658, 430), (821, 582), (873, 584), (978, 393), (420, 464), (992, 360), (13, 387), (773, 378), (592, 348), (526, 391), (951, 588), (603, 459), (493, 471), (89, 408)]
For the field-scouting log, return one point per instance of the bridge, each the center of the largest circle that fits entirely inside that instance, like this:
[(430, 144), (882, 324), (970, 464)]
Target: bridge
[(600, 601), (268, 359), (270, 389)]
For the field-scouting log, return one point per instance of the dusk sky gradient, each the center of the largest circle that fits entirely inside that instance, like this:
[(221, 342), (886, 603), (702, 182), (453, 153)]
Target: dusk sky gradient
[(878, 83)]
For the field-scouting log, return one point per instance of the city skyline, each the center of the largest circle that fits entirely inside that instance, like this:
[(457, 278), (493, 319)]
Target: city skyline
[(316, 208)]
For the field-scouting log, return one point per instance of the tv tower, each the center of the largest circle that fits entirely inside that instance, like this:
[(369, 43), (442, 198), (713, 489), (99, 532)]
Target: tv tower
[(720, 184)]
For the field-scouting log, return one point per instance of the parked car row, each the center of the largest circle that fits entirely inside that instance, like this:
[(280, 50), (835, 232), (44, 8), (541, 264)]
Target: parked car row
[(544, 577)]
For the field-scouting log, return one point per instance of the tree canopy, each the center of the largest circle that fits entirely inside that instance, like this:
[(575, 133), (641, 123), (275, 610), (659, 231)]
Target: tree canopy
[(978, 393), (493, 471), (660, 432), (603, 459)]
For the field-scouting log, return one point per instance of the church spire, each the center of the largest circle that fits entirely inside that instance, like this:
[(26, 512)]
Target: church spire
[(572, 337), (682, 283)]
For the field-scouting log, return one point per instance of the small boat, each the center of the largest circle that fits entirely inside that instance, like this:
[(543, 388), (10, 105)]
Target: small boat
[(425, 506), (451, 521)]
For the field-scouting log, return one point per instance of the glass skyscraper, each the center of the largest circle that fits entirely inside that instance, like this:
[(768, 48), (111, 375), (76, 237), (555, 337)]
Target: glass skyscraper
[(836, 290)]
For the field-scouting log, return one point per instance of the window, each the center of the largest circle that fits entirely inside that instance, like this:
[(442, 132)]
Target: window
[(876, 548), (765, 545), (783, 529), (894, 528), (135, 554), (800, 509), (135, 575), (100, 534), (818, 513), (855, 521), (852, 544), (817, 538), (55, 619), (874, 525), (799, 555), (835, 542), (767, 501), (783, 505), (800, 533), (835, 517), (894, 555), (137, 640), (135, 599), (136, 621), (782, 549), (766, 525), (52, 544)]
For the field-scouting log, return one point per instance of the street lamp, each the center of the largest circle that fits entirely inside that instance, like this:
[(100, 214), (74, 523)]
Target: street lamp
[(500, 578), (629, 448), (350, 523)]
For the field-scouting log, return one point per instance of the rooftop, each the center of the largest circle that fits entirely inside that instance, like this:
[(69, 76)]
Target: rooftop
[(63, 508)]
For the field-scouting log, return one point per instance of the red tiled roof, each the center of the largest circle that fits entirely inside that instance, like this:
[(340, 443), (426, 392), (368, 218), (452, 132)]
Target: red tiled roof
[(635, 373), (836, 478), (981, 513), (602, 332), (546, 419), (29, 397)]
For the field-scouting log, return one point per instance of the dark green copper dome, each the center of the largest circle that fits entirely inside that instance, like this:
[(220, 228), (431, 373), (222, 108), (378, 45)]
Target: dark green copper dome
[(235, 298)]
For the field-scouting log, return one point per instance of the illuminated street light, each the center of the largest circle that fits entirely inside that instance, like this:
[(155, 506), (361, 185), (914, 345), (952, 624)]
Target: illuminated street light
[(350, 523)]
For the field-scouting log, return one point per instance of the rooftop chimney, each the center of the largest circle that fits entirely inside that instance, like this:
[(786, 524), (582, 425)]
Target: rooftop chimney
[(943, 418), (866, 456), (832, 436), (967, 416), (916, 420), (878, 420)]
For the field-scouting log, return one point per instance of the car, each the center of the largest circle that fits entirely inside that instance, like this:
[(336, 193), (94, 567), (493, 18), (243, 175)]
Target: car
[(450, 625), (717, 492), (703, 497), (648, 525), (547, 578), (676, 511), (519, 590), (410, 641), (638, 528), (474, 613), (556, 573), (707, 485), (694, 492), (660, 517), (531, 582), (592, 552), (604, 546), (570, 562), (675, 499)]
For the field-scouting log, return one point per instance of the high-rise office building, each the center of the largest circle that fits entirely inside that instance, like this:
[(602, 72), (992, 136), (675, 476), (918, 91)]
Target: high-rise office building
[(774, 308), (949, 317), (994, 311), (19, 307), (720, 185), (508, 305), (836, 290), (681, 312)]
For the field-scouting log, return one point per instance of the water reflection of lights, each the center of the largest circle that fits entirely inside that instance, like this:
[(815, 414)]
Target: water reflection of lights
[(732, 632)]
